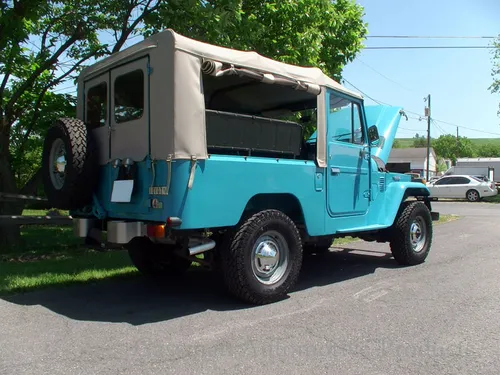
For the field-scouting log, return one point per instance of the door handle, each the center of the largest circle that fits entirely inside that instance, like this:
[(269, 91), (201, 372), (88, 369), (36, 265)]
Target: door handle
[(335, 170)]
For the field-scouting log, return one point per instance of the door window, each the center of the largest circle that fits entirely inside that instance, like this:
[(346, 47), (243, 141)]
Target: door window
[(345, 121), (129, 96), (444, 181), (97, 105), (461, 181)]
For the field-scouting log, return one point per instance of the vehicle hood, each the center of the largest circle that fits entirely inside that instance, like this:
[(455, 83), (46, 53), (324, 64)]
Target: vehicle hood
[(386, 119)]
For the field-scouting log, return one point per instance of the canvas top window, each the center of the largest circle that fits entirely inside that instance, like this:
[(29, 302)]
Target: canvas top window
[(129, 96), (96, 105)]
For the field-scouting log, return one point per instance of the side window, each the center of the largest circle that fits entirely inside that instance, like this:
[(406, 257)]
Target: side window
[(97, 99), (462, 181), (444, 181), (344, 121), (129, 96)]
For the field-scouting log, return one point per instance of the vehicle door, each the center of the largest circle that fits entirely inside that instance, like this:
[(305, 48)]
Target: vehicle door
[(96, 114), (459, 187), (348, 181), (441, 187), (130, 108)]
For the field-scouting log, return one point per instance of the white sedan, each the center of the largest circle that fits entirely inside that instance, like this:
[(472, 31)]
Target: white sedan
[(461, 186)]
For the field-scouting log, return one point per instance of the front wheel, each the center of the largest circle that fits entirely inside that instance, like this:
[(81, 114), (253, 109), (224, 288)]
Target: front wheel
[(263, 257), (411, 235)]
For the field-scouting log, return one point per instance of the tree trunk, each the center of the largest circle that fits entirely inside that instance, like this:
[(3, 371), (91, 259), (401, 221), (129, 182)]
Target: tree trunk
[(9, 234)]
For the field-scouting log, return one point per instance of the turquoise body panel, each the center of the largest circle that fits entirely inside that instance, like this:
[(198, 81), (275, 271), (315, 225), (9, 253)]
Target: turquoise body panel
[(349, 195)]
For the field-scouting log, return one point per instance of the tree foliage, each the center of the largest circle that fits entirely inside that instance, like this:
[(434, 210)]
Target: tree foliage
[(495, 72), (447, 146), (419, 141), (44, 44)]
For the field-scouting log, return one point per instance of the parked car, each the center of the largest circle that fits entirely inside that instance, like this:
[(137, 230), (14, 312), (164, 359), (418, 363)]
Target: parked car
[(462, 186)]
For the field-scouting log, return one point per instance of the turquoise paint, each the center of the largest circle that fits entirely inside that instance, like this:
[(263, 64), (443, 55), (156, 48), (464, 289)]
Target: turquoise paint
[(386, 119), (358, 199)]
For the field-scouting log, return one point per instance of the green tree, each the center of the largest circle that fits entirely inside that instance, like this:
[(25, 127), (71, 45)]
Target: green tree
[(419, 141), (45, 44), (495, 72), (447, 147), (488, 150)]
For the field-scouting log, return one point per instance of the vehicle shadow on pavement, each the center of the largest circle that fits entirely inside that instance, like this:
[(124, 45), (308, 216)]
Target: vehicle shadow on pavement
[(138, 300)]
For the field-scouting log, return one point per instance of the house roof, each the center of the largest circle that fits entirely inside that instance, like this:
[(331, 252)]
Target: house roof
[(409, 153), (477, 160)]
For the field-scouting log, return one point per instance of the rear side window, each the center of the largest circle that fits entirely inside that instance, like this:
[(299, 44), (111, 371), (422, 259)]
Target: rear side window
[(96, 105), (129, 96), (461, 180)]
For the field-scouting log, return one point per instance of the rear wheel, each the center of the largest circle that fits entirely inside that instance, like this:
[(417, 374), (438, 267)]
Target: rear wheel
[(472, 195), (262, 259), (156, 260), (411, 235)]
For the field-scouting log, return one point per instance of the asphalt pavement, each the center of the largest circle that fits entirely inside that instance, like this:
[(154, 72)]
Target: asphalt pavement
[(354, 311)]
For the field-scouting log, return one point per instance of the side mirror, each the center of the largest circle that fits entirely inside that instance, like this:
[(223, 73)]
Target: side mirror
[(373, 137)]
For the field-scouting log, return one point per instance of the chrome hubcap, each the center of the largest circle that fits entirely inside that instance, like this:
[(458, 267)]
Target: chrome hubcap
[(270, 257), (417, 234), (58, 163), (472, 195)]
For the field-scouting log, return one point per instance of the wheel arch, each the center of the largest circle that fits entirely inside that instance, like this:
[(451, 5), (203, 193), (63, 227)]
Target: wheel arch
[(287, 203)]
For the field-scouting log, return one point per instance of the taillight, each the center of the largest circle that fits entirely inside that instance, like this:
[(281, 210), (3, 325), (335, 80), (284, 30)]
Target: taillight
[(156, 231)]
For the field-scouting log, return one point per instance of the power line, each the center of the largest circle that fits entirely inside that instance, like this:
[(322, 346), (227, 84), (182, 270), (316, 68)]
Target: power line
[(422, 116), (365, 94), (465, 127), (432, 47), (384, 76), (429, 37)]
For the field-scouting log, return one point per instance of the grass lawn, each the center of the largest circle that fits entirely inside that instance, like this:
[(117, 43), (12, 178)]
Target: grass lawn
[(494, 199), (52, 255), (85, 266), (408, 142)]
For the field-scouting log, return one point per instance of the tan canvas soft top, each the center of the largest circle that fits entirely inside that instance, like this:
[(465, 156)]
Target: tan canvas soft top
[(177, 106)]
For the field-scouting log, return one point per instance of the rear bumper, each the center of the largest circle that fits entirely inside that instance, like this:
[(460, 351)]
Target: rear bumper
[(118, 232)]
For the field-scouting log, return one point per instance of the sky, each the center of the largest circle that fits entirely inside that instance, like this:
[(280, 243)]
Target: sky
[(456, 79)]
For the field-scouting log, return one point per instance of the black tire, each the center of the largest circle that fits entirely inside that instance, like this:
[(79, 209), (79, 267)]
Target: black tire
[(78, 182), (156, 260), (472, 195), (238, 262), (320, 246), (401, 244)]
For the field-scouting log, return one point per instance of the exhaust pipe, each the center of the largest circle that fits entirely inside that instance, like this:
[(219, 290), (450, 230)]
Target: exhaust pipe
[(201, 248)]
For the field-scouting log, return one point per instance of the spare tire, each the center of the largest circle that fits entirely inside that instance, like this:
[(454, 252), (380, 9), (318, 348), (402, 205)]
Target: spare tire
[(70, 164)]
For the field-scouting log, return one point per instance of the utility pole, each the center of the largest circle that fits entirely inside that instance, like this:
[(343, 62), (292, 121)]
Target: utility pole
[(428, 113), (458, 146)]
